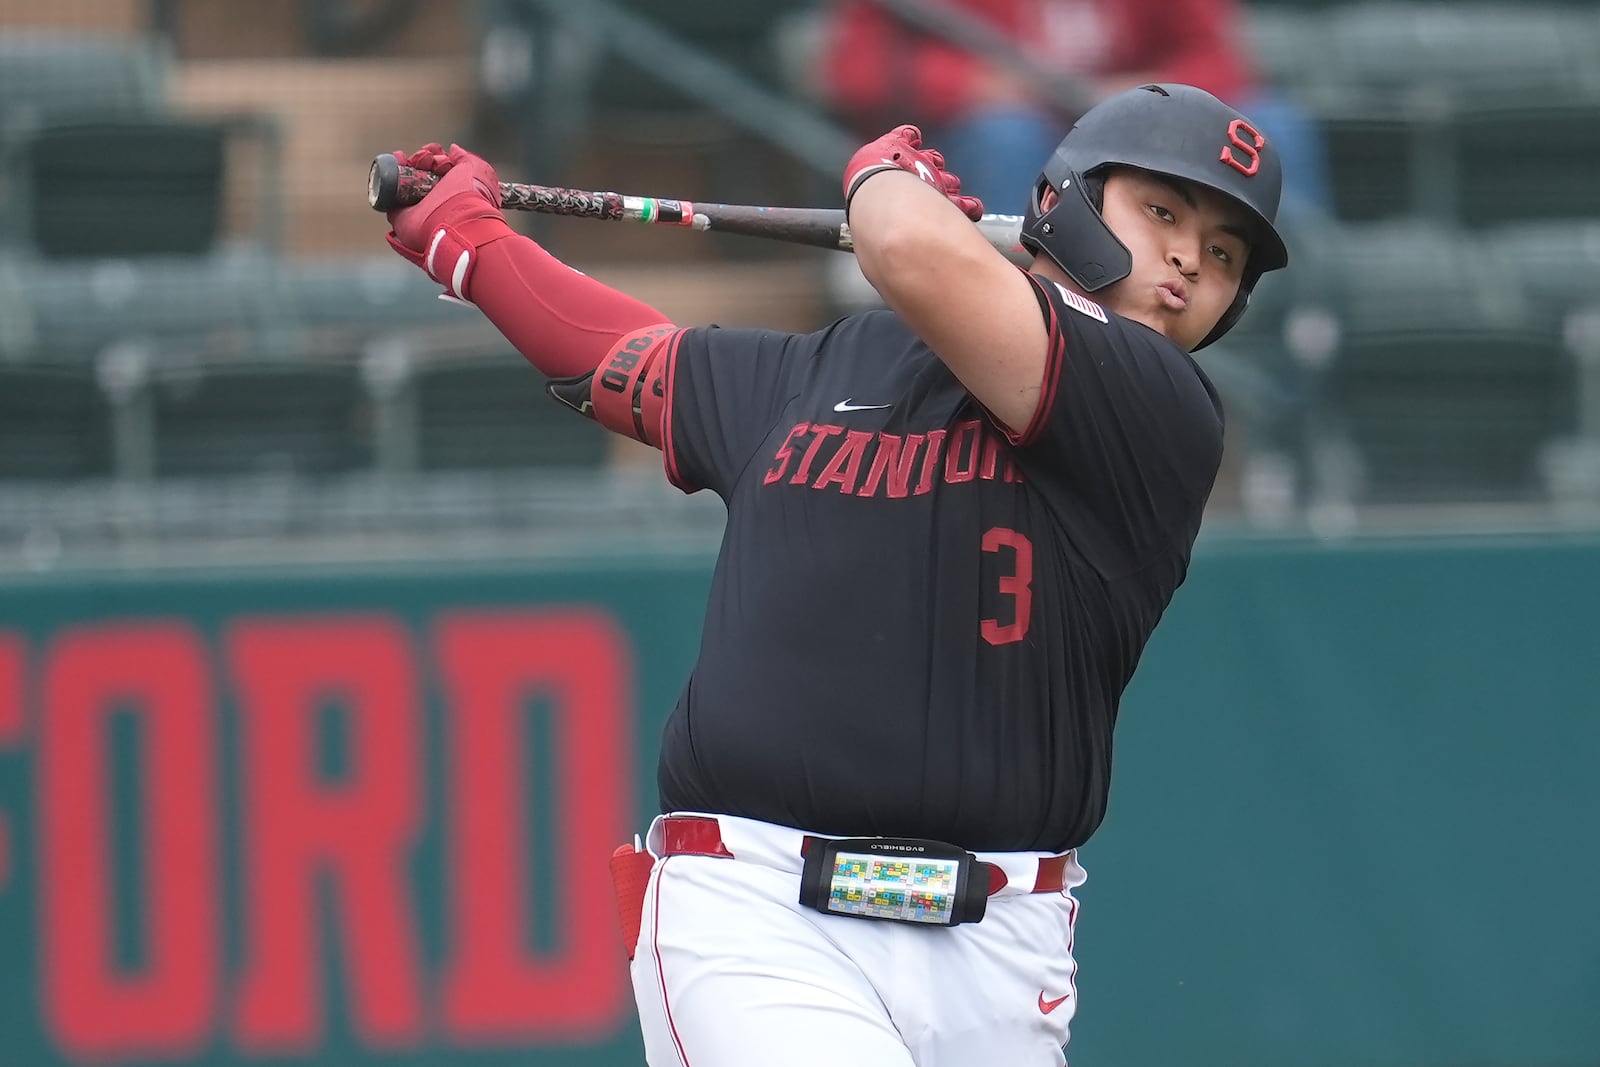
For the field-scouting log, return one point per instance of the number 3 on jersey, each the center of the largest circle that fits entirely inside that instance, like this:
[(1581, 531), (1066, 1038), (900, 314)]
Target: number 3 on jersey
[(1015, 585)]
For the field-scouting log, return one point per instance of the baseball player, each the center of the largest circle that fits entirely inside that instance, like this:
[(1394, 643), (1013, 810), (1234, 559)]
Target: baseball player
[(952, 526)]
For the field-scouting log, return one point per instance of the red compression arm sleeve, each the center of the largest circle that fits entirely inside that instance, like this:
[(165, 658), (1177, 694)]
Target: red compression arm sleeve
[(561, 320)]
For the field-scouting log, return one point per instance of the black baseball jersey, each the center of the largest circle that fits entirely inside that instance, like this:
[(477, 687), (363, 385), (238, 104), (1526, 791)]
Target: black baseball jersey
[(920, 625)]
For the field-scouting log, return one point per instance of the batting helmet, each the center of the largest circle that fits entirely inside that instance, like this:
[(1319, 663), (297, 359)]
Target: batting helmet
[(1176, 130)]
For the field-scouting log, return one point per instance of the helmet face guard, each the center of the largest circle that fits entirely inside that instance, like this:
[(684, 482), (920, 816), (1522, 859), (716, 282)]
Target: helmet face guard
[(1174, 130), (1098, 257)]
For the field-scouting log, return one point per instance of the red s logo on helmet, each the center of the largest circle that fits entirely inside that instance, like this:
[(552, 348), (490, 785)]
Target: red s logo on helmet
[(1236, 144)]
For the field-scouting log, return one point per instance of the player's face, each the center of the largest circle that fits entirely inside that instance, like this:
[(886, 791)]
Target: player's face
[(1189, 246)]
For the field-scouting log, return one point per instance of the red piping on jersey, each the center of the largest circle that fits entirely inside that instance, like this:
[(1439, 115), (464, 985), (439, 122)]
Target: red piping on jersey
[(661, 974), (669, 454), (1052, 368), (561, 320), (1053, 359)]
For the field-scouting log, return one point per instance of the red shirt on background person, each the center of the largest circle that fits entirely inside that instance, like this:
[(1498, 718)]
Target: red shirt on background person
[(875, 65)]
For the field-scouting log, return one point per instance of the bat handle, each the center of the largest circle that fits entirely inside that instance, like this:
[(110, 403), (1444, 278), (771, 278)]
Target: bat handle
[(391, 185)]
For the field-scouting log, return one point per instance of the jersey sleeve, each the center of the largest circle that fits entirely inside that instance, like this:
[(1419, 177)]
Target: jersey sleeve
[(1127, 436), (724, 390)]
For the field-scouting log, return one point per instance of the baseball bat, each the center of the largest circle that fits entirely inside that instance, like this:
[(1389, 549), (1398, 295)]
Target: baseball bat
[(391, 185)]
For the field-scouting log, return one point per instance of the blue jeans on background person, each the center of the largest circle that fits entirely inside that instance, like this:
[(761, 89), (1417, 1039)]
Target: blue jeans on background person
[(998, 152)]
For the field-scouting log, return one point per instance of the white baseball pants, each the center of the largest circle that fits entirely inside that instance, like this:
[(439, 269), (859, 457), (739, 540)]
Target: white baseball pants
[(732, 971)]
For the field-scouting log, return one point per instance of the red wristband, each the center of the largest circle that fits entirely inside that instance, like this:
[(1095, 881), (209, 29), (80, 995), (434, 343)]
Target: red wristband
[(452, 251)]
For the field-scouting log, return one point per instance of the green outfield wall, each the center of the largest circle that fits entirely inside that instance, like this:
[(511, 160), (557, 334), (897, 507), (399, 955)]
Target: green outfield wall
[(362, 817)]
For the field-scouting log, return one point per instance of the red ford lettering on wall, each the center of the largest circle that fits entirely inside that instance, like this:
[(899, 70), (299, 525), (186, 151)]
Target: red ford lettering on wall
[(326, 773), (298, 827), (491, 665), (13, 664), (155, 672)]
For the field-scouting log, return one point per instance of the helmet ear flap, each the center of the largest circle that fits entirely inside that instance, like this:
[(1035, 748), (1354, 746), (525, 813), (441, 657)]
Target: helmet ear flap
[(1093, 185), (1073, 234)]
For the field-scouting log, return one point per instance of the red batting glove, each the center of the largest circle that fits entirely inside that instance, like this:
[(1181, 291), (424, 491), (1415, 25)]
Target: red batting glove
[(901, 149), (460, 214)]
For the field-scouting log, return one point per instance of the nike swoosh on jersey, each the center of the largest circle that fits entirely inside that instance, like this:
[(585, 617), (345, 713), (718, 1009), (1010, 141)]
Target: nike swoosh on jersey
[(1048, 1006), (845, 405)]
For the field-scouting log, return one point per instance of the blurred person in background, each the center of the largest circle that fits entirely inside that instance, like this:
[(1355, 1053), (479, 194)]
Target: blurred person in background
[(997, 127)]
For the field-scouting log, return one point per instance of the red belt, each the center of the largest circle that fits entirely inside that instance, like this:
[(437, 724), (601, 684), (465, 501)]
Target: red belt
[(697, 835)]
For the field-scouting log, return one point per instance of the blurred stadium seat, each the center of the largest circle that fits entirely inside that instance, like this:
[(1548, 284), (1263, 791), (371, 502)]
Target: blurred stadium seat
[(1477, 112), (360, 296), (290, 419), (54, 423), (228, 302), (1378, 156), (1412, 274), (1441, 158), (736, 32), (1442, 377), (50, 75), (141, 186), (1395, 52), (1469, 52), (1289, 46), (1530, 160), (1556, 261), (492, 413), (1452, 415)]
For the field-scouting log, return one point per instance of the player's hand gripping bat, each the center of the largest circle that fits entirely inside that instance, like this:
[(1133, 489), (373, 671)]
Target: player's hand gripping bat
[(391, 185)]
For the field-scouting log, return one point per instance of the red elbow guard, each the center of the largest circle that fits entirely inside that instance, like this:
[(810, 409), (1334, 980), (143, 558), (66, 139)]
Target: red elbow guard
[(629, 392), (626, 393)]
